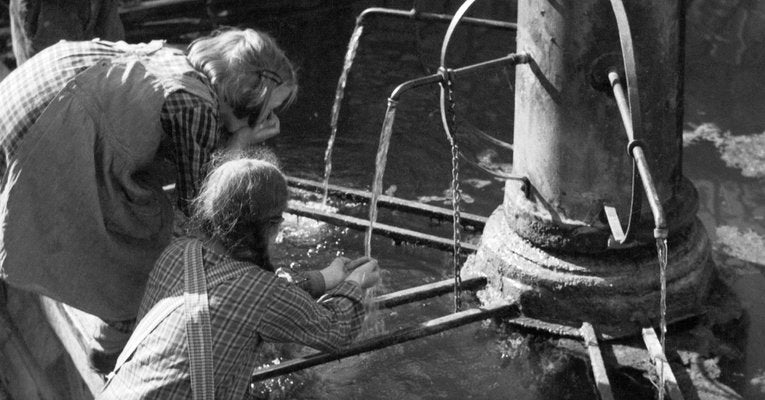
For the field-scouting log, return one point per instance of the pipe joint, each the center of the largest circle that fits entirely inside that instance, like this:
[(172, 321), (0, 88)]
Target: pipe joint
[(660, 233), (635, 143)]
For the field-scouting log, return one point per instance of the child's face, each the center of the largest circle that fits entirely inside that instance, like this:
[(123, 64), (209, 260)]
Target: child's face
[(245, 131), (275, 224)]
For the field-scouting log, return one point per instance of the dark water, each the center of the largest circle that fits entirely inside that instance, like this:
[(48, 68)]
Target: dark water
[(724, 156)]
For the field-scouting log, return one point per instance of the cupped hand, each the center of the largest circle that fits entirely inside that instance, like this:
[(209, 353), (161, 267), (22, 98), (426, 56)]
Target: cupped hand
[(366, 275), (245, 136), (339, 269), (242, 134), (335, 273)]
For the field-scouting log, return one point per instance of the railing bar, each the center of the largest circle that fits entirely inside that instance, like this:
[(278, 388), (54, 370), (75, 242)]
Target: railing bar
[(660, 361), (396, 233), (404, 335), (429, 290), (391, 202), (596, 360)]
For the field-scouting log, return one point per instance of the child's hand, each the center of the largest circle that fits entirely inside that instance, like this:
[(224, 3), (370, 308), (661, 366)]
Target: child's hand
[(242, 134), (339, 269), (335, 273), (366, 275)]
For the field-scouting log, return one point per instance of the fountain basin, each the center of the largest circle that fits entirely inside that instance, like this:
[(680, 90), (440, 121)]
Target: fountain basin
[(617, 291)]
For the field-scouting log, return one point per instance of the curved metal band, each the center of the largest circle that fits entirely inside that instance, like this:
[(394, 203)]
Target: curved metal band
[(444, 72), (634, 127), (442, 69)]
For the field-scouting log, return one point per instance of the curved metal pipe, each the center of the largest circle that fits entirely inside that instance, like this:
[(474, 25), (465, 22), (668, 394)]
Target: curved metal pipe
[(420, 16), (512, 59)]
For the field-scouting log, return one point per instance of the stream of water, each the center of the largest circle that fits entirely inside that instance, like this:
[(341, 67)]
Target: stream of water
[(353, 45), (661, 250), (377, 183)]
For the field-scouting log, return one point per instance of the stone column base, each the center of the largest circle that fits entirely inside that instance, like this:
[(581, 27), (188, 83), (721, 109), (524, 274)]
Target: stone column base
[(618, 291)]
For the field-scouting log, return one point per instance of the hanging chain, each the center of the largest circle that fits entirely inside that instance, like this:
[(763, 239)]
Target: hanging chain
[(456, 193)]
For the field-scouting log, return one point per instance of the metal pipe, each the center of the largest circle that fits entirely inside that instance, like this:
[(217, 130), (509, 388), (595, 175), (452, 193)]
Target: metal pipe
[(512, 59), (475, 221), (404, 335), (393, 232), (638, 154), (427, 291), (420, 16), (414, 83)]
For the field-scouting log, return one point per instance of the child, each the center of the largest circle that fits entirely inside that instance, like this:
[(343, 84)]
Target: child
[(237, 217)]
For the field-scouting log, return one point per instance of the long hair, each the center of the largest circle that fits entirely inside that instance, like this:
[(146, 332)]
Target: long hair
[(244, 66), (240, 201)]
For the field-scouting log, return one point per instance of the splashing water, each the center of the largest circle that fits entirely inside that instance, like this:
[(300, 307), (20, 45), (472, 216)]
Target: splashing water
[(661, 247), (350, 54), (382, 158), (374, 323)]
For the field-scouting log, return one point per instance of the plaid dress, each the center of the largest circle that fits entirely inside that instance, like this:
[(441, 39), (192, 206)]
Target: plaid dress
[(246, 310), (190, 122), (83, 128)]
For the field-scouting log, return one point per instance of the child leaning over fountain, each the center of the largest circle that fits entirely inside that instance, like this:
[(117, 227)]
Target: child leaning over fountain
[(213, 297)]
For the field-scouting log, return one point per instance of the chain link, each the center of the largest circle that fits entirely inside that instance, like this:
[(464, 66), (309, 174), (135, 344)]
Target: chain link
[(456, 193)]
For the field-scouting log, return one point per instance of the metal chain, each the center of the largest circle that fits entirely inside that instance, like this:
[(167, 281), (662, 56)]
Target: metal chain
[(456, 194)]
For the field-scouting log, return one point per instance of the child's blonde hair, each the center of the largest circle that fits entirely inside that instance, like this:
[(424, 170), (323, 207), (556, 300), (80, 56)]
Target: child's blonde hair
[(245, 66)]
